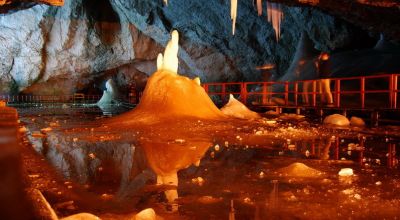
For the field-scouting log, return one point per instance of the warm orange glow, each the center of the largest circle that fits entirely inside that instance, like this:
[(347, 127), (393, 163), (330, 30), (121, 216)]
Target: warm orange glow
[(266, 67), (49, 2)]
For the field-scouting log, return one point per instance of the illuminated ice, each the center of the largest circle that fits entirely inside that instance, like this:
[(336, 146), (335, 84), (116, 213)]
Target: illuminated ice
[(337, 119), (236, 109)]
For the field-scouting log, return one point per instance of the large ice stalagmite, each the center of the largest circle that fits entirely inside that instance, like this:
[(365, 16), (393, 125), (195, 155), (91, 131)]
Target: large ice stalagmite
[(169, 105), (168, 94), (233, 15)]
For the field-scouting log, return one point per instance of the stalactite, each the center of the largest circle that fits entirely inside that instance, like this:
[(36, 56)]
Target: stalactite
[(259, 7), (274, 16), (233, 15)]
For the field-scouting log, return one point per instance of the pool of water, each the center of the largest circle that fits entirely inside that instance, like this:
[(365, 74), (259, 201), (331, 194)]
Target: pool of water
[(272, 168)]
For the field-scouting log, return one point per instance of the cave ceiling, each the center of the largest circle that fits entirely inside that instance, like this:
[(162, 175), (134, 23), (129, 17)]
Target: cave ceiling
[(379, 16)]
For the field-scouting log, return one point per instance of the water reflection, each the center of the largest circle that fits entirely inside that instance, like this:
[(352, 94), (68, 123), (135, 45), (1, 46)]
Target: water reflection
[(244, 182)]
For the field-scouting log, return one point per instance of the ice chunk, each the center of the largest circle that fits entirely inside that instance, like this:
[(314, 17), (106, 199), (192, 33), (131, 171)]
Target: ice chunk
[(356, 121), (337, 119), (147, 214), (79, 216), (299, 170), (346, 172), (236, 109)]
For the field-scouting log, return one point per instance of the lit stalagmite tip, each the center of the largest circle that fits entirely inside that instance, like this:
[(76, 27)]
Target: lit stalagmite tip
[(169, 61)]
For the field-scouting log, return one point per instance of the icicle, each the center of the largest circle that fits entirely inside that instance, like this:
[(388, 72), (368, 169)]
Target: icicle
[(166, 2), (269, 14), (274, 16), (259, 7), (233, 15)]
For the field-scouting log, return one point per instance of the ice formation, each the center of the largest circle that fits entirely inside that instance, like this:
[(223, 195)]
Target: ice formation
[(346, 172), (356, 121), (336, 119), (236, 109), (166, 2), (233, 15), (275, 15), (168, 101), (108, 95), (259, 7), (170, 61), (299, 170), (168, 95), (147, 214)]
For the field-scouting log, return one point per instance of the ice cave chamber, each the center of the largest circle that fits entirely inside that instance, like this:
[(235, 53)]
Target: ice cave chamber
[(199, 109)]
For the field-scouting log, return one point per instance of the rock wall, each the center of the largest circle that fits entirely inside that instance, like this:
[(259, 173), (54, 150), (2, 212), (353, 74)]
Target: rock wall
[(61, 50)]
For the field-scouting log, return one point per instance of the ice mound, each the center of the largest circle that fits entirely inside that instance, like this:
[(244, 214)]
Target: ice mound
[(299, 170), (236, 109), (147, 214), (356, 121), (336, 119), (168, 95)]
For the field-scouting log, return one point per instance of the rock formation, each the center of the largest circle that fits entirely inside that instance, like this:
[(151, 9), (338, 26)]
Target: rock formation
[(61, 50)]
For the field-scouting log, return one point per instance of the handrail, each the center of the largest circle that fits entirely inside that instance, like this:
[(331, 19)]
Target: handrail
[(295, 94)]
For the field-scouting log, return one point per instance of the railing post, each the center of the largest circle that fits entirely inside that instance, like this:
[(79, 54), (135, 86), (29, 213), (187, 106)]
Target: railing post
[(362, 90), (243, 91), (314, 93), (223, 92), (296, 90), (337, 92), (395, 91), (286, 92), (264, 93), (205, 86)]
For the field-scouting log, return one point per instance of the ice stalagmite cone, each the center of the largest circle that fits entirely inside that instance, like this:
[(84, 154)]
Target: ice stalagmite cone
[(170, 61), (197, 81)]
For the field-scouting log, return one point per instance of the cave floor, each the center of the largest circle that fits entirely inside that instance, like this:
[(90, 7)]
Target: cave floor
[(282, 168)]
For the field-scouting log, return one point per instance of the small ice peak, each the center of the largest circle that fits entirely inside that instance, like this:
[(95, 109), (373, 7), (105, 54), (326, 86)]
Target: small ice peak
[(197, 81)]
